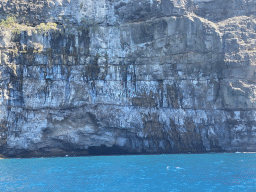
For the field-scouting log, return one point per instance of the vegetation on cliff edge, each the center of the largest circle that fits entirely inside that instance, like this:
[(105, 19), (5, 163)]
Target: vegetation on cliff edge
[(11, 23)]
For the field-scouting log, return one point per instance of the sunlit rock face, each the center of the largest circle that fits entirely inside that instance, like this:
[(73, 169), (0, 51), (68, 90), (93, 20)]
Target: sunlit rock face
[(127, 77)]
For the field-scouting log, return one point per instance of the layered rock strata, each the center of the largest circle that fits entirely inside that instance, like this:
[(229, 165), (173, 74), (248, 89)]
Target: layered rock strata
[(127, 77)]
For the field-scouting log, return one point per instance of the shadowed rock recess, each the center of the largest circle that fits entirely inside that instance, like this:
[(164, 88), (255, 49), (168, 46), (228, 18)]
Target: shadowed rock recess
[(86, 77)]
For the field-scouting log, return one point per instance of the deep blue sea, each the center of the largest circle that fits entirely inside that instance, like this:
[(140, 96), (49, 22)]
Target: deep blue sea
[(184, 172)]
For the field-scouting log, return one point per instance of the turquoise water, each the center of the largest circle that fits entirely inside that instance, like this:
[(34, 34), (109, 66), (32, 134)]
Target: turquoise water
[(185, 172)]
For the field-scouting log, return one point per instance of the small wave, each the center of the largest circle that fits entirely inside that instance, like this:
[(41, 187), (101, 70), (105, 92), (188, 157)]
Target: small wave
[(249, 152), (178, 168)]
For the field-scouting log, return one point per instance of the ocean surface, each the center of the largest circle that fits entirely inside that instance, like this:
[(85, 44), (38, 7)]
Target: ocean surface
[(184, 172)]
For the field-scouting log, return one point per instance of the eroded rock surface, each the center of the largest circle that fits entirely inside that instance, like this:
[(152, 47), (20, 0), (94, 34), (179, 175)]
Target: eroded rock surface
[(127, 77)]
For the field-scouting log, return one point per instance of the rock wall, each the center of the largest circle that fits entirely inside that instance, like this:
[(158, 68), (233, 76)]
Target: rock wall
[(127, 77)]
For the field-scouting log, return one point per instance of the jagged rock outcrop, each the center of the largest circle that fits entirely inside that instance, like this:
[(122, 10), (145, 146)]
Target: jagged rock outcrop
[(124, 77)]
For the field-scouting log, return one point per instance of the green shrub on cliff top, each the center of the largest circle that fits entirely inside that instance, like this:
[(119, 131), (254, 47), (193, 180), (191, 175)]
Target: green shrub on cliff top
[(11, 23), (46, 27)]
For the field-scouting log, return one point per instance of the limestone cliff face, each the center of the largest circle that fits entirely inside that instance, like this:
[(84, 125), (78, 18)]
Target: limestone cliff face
[(124, 76)]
